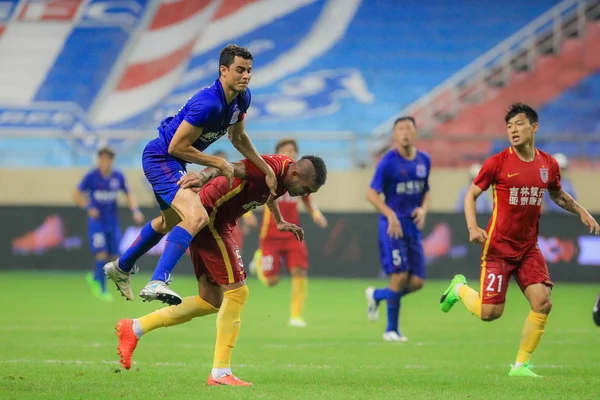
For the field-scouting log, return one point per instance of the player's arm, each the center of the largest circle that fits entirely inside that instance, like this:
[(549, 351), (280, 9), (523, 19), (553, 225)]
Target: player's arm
[(282, 225), (241, 141), (476, 234), (195, 181), (420, 212), (394, 228), (566, 202), (132, 204), (314, 212), (82, 200), (181, 147)]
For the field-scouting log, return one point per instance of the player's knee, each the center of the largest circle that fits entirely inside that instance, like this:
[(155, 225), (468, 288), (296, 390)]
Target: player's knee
[(239, 294), (197, 219), (544, 306), (101, 256), (272, 280), (489, 315)]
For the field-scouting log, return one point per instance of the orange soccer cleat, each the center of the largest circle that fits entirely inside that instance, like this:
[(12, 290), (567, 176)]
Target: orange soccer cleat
[(127, 341), (227, 380)]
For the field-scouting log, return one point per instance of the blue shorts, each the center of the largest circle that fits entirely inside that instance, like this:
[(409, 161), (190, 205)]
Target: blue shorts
[(162, 171), (404, 254), (103, 238)]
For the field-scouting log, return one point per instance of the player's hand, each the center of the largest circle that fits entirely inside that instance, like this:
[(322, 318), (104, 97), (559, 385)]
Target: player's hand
[(138, 217), (226, 170), (418, 215), (192, 181), (394, 229), (477, 235), (590, 222), (298, 232), (319, 220), (271, 181), (93, 212)]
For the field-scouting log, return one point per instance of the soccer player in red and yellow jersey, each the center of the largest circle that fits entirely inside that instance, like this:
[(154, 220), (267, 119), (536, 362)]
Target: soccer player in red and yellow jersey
[(275, 247), (519, 177), (215, 255)]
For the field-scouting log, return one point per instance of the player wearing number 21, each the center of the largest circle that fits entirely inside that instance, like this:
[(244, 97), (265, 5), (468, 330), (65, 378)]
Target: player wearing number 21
[(519, 177)]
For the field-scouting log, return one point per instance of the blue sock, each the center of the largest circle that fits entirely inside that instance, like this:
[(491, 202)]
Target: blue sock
[(393, 311), (177, 244), (383, 294), (147, 239), (99, 274)]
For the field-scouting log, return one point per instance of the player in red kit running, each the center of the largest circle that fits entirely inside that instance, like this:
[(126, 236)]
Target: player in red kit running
[(275, 246), (519, 177), (215, 256)]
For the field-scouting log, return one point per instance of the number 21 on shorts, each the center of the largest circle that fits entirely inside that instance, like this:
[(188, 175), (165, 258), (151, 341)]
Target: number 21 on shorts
[(495, 283)]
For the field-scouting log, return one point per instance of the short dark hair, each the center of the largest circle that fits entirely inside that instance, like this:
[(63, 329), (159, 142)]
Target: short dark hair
[(285, 142), (320, 168), (106, 151), (229, 53), (405, 118), (518, 108)]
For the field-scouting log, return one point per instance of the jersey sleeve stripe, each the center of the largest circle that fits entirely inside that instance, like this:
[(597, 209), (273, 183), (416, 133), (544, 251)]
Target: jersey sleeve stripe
[(213, 230), (283, 167), (486, 246)]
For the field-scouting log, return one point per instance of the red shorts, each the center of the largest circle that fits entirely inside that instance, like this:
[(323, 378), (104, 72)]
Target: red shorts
[(495, 274), (292, 252), (215, 253)]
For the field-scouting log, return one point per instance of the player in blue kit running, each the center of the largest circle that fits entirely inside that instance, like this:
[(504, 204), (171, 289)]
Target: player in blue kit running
[(402, 176), (209, 114), (97, 193)]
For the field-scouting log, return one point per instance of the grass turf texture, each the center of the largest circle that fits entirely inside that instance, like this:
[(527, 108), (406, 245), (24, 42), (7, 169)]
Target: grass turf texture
[(58, 342)]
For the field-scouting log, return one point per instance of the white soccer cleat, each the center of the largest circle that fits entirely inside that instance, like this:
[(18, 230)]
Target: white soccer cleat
[(121, 278), (159, 290), (297, 322), (372, 312), (392, 336)]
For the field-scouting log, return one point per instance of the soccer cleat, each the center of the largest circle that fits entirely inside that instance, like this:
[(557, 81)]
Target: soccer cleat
[(94, 285), (159, 290), (393, 336), (107, 297), (227, 380), (450, 298), (596, 311), (523, 371), (121, 278), (127, 341), (297, 322), (372, 312)]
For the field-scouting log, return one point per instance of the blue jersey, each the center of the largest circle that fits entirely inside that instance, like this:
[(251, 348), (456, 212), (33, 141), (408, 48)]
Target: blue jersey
[(103, 192), (209, 110), (403, 182)]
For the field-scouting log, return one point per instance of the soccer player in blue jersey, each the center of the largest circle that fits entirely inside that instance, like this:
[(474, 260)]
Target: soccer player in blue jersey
[(402, 176), (97, 193), (205, 117)]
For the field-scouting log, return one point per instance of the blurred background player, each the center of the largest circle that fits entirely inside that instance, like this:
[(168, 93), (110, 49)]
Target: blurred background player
[(596, 310), (97, 194), (484, 203), (276, 246), (402, 176), (216, 258), (519, 176), (565, 181), (246, 223), (208, 115)]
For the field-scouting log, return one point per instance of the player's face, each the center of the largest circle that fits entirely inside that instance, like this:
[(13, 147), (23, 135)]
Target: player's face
[(105, 163), (405, 133), (238, 75), (301, 184), (520, 130), (289, 150)]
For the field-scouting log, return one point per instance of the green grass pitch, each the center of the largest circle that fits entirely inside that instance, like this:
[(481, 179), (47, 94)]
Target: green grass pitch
[(58, 342)]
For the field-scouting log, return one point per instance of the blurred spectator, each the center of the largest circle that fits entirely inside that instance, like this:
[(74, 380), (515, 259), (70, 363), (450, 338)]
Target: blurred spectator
[(567, 184), (484, 203)]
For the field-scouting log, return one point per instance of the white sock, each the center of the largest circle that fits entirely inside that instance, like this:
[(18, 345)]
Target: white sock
[(137, 329), (456, 287), (517, 365), (218, 373)]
